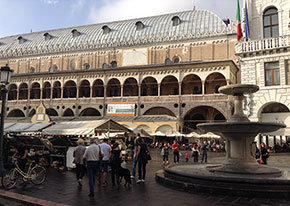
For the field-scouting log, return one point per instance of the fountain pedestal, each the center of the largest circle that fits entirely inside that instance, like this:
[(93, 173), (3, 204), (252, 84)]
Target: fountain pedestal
[(241, 174)]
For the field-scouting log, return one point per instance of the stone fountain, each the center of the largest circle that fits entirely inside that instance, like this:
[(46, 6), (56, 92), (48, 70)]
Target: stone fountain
[(240, 174)]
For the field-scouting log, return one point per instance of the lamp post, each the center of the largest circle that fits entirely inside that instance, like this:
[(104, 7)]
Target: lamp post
[(5, 79)]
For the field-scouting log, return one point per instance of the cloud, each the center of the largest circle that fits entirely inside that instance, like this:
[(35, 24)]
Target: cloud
[(77, 6), (51, 2), (112, 10)]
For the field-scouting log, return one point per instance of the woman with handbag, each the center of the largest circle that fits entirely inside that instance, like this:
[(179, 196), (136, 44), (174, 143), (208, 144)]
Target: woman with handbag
[(143, 154)]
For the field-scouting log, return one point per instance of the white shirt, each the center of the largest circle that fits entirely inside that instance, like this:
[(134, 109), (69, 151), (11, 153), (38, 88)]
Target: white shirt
[(92, 153), (106, 150)]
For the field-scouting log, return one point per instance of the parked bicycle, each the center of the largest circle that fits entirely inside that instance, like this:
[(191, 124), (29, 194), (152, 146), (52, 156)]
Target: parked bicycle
[(35, 174)]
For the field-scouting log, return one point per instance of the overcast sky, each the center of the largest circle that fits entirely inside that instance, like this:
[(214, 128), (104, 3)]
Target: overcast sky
[(21, 16)]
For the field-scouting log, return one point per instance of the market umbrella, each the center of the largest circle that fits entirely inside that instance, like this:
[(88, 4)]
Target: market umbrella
[(158, 133)]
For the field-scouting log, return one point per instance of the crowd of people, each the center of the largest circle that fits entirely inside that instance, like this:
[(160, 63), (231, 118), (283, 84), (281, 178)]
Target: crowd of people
[(97, 158)]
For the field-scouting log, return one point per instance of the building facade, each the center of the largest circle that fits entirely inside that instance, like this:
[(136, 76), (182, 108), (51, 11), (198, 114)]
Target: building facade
[(265, 61), (158, 73)]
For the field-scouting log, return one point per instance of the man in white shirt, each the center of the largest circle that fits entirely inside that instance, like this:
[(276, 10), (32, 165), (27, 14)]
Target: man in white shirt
[(106, 148), (92, 158)]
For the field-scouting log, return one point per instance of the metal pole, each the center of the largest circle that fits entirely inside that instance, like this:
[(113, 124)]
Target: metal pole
[(3, 95)]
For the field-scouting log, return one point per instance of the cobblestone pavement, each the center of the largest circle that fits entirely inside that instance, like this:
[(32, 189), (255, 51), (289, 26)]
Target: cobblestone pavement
[(61, 187)]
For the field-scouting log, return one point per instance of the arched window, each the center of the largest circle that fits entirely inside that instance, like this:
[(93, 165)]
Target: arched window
[(72, 64), (70, 90), (87, 66), (56, 92), (139, 25), (23, 91), (176, 59), (270, 22), (75, 33), (47, 36), (85, 89), (114, 64), (98, 88), (35, 91), (106, 29), (46, 90), (175, 21), (12, 92), (53, 68), (32, 70)]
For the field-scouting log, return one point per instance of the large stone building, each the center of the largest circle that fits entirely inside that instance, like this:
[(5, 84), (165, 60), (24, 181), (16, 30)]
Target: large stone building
[(265, 61), (158, 73)]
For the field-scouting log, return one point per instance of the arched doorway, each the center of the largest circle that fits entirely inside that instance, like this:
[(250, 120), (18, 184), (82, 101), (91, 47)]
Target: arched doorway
[(90, 112), (113, 88), (201, 114), (130, 87), (35, 91), (98, 88), (23, 91), (46, 90), (169, 86), (213, 82), (191, 84), (70, 89), (56, 93), (51, 112), (12, 92), (159, 111), (68, 113), (85, 89), (16, 113), (149, 87)]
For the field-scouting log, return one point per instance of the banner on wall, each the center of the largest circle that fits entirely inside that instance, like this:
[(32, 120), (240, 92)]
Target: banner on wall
[(121, 109)]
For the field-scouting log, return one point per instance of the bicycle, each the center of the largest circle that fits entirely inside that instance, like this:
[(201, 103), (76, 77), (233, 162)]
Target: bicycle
[(36, 175)]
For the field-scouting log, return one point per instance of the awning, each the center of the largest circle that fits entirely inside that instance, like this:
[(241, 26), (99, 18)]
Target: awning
[(84, 127), (25, 127)]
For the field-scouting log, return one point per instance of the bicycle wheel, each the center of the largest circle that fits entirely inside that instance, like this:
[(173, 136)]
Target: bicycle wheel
[(9, 179), (37, 175)]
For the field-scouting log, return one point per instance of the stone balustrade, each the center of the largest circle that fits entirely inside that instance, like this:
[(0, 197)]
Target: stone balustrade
[(262, 45)]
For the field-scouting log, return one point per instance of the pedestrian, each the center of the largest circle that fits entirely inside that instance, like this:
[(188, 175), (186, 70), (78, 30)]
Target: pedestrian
[(195, 153), (115, 163), (186, 156), (21, 153), (264, 153), (175, 149), (143, 152), (78, 160), (106, 148), (92, 158), (135, 155), (165, 153), (203, 151)]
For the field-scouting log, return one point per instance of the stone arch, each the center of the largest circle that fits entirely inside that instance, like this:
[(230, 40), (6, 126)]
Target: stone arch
[(85, 89), (213, 82), (56, 92), (70, 89), (169, 86), (12, 92), (201, 114), (51, 112), (113, 88), (68, 113), (23, 91), (16, 113), (90, 112), (130, 87), (31, 113), (149, 87), (159, 111), (46, 90), (35, 91), (273, 107), (145, 128), (98, 88), (166, 129), (191, 84)]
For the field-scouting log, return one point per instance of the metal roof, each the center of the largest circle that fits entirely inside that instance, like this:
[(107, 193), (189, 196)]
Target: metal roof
[(194, 24)]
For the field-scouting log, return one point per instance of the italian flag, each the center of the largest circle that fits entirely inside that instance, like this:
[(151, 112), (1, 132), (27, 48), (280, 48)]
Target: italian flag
[(238, 18)]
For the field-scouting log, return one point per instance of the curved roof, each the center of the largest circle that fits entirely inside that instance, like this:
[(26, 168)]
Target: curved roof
[(194, 24)]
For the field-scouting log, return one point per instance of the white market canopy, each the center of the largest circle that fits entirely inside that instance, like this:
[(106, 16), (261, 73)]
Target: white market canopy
[(25, 127), (84, 127)]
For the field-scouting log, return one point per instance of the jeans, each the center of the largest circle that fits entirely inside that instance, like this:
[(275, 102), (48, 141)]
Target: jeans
[(195, 156), (142, 169), (93, 169), (80, 171), (175, 156), (204, 156), (134, 166), (165, 157)]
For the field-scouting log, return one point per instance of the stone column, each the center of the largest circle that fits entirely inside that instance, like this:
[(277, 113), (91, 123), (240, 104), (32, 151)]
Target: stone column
[(17, 94), (202, 87), (122, 90), (179, 88), (61, 92), (78, 92), (281, 140), (159, 89), (267, 140), (91, 91)]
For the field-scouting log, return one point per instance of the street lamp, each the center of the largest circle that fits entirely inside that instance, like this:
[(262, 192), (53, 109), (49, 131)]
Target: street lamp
[(5, 73)]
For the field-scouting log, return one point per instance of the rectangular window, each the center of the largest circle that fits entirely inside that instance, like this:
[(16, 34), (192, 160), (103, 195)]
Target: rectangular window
[(272, 73)]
